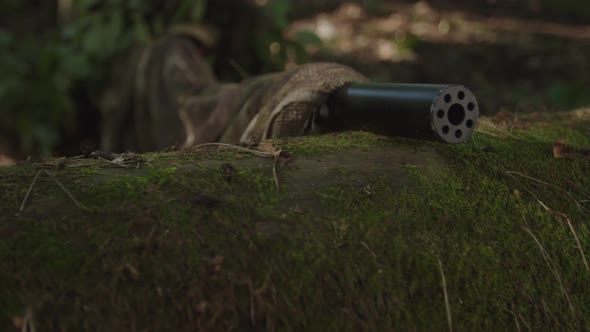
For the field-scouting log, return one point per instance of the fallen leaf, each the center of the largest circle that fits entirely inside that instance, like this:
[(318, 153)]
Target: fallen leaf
[(18, 322), (217, 260), (6, 161), (268, 147), (562, 150)]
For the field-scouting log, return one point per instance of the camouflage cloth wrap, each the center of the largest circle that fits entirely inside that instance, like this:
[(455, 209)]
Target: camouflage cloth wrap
[(165, 94)]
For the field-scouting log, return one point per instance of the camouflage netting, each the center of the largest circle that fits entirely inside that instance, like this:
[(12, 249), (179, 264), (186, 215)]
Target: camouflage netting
[(164, 94)]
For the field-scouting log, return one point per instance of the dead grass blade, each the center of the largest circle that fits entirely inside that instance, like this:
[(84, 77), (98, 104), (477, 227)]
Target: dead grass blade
[(28, 324), (512, 173), (552, 267), (64, 189), (578, 243), (563, 215), (515, 317), (274, 172), (25, 200), (447, 304), (369, 249), (503, 134)]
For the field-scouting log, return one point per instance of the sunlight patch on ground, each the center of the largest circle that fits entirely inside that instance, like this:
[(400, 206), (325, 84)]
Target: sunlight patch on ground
[(349, 30), (6, 161)]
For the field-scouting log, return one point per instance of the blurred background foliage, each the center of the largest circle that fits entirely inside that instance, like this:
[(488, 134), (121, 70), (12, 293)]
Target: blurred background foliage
[(53, 64), (55, 53)]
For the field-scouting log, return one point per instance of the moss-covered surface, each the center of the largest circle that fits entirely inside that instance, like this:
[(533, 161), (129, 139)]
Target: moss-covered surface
[(357, 238)]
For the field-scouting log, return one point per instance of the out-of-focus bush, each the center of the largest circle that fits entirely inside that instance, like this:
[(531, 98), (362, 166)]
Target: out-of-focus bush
[(33, 93), (40, 71), (577, 10)]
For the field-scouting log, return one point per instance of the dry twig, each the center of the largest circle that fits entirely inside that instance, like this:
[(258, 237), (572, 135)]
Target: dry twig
[(235, 147)]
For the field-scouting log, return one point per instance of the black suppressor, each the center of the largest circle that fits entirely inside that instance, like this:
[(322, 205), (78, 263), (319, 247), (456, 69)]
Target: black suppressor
[(446, 112)]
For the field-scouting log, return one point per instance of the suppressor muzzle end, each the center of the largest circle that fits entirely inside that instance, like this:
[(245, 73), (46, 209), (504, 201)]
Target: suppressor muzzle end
[(443, 112), (454, 114)]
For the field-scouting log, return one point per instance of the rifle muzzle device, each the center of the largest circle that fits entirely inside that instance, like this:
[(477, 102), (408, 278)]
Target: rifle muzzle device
[(443, 112)]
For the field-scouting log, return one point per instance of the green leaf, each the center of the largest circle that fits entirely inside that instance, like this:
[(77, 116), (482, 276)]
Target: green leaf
[(300, 53), (113, 30), (135, 5), (3, 90), (308, 38), (85, 5), (141, 30), (278, 11), (77, 67), (5, 39), (47, 61), (198, 11), (408, 42), (567, 95), (158, 26), (93, 37)]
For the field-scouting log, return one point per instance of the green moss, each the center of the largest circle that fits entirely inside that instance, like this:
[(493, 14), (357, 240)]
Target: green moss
[(341, 171), (478, 221), (177, 242), (327, 143), (88, 171)]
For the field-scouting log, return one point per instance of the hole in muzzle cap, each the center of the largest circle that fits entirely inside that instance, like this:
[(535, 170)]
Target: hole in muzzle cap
[(456, 114)]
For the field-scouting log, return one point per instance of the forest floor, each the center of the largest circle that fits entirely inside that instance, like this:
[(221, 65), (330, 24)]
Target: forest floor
[(511, 62)]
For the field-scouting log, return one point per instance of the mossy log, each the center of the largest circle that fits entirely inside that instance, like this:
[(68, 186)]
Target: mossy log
[(355, 232)]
